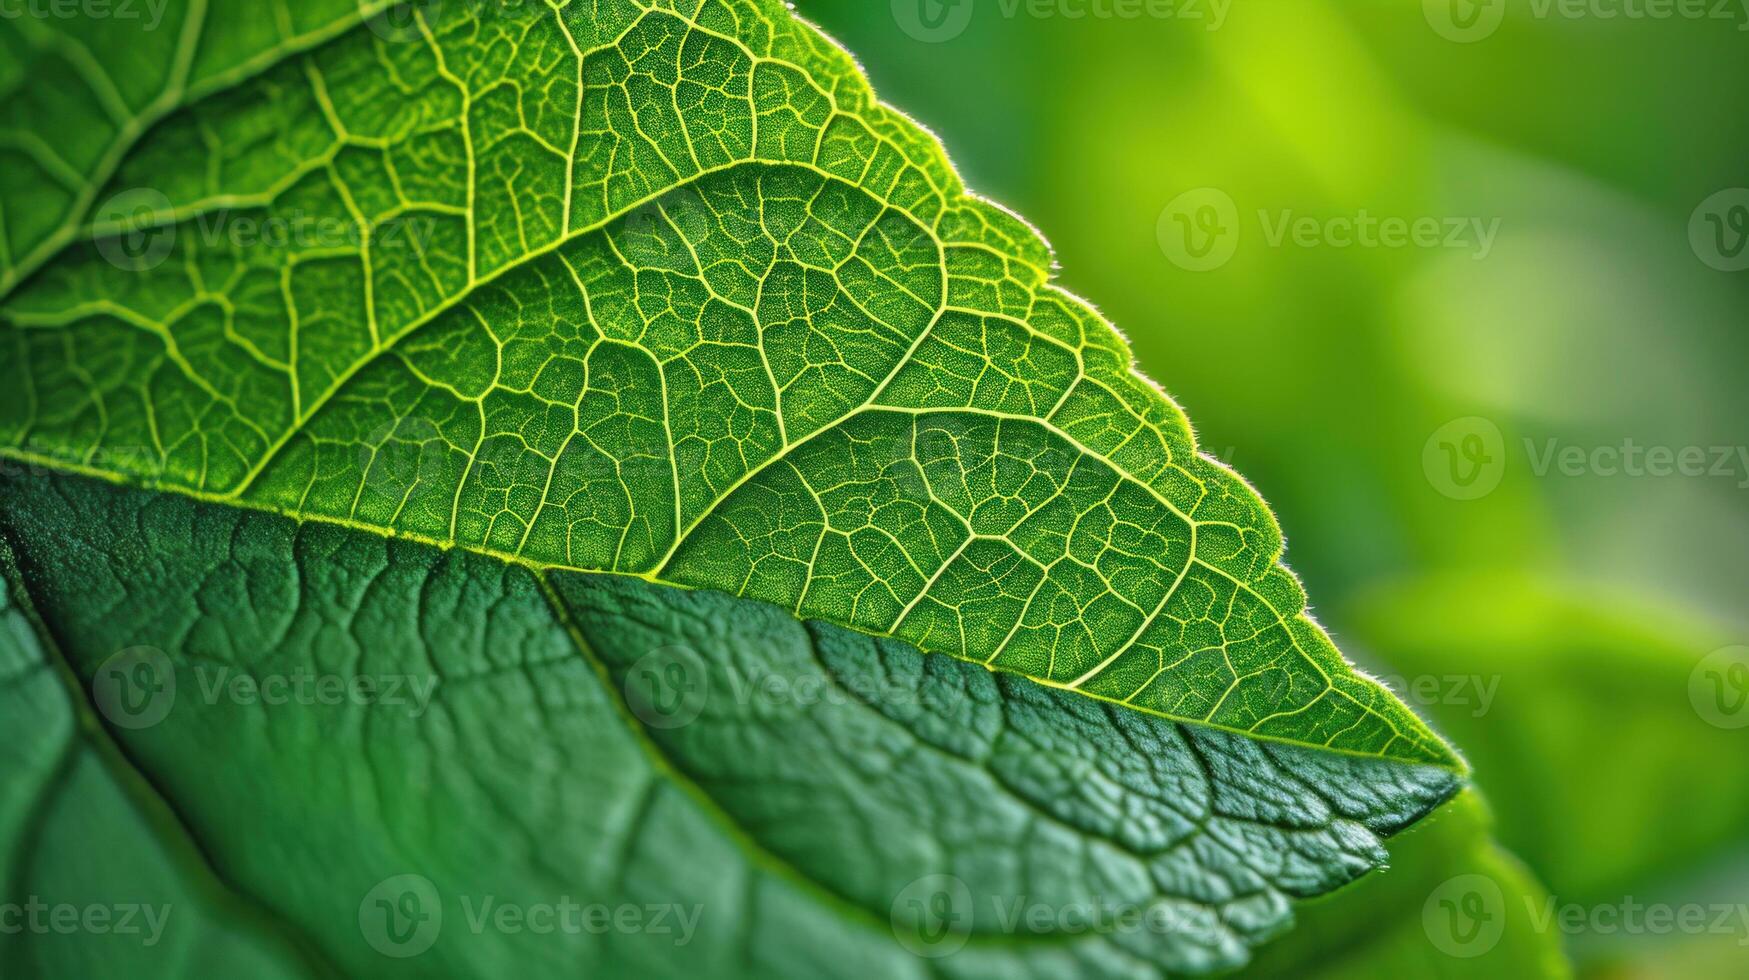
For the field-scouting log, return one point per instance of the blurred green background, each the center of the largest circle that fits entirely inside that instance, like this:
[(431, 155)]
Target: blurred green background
[(1512, 456)]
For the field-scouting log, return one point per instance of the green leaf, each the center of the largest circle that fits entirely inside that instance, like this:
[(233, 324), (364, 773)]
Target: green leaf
[(780, 779), (80, 91), (64, 788), (1452, 906), (661, 292)]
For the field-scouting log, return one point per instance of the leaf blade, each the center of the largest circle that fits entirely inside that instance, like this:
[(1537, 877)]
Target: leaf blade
[(686, 284)]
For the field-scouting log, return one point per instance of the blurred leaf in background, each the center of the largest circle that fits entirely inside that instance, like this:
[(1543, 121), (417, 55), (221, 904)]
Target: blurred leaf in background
[(1589, 721), (1456, 285), (1454, 905), (1607, 734)]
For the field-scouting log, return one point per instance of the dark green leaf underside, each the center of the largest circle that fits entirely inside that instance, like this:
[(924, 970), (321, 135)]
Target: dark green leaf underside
[(536, 772)]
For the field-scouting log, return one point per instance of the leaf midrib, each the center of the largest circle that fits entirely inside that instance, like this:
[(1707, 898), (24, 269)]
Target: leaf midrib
[(542, 569)]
